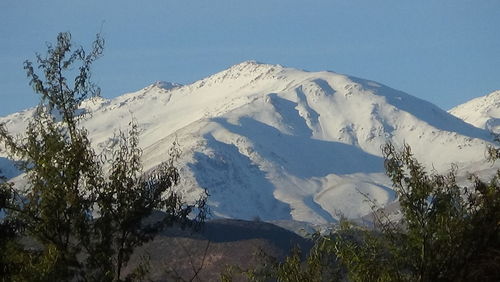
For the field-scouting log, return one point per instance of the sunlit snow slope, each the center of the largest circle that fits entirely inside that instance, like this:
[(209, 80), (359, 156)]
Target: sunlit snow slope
[(281, 143), (483, 112)]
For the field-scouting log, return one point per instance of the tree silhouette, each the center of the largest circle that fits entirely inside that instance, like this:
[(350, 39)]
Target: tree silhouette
[(82, 214)]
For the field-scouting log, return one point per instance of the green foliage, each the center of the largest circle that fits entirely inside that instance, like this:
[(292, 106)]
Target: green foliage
[(446, 233), (80, 215), (320, 265), (364, 254), (8, 230)]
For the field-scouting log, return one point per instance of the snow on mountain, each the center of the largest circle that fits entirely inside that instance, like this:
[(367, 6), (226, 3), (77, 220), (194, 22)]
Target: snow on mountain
[(8, 168), (281, 143), (482, 112)]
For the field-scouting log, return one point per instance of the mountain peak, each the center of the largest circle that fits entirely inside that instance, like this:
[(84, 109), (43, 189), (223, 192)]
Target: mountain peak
[(253, 66), (293, 144), (482, 112), (494, 97), (245, 72), (252, 63)]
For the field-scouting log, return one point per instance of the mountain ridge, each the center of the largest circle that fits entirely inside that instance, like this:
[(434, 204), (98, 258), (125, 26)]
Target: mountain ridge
[(294, 144), (482, 112)]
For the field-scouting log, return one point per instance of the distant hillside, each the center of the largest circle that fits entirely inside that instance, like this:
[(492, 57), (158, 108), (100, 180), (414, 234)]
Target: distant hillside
[(220, 244)]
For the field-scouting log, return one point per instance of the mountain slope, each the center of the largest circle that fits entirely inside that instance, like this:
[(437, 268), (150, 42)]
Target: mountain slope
[(482, 112), (281, 143)]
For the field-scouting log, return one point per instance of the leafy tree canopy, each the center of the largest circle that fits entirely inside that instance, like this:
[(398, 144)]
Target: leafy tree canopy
[(446, 233), (81, 215)]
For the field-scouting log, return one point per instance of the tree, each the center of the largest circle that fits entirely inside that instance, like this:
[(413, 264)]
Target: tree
[(446, 232), (7, 230), (84, 214)]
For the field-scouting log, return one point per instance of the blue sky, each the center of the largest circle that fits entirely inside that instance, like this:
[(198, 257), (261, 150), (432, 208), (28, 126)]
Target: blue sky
[(446, 51)]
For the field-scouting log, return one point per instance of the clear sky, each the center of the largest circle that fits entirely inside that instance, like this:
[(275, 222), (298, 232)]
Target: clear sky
[(444, 51)]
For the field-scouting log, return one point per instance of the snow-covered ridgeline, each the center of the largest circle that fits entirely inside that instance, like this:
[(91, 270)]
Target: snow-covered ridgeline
[(281, 143)]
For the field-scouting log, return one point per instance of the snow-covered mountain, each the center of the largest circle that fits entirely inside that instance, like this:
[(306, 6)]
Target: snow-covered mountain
[(281, 143), (482, 112)]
